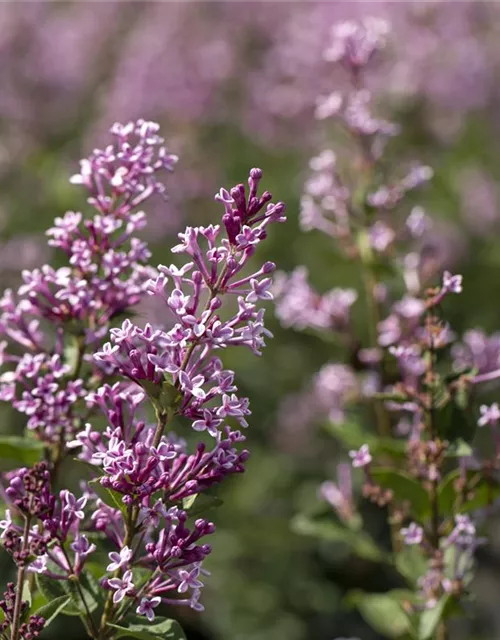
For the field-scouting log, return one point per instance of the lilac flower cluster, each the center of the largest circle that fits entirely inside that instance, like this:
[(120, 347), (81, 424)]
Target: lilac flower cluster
[(393, 376), (137, 468), (182, 356), (362, 228), (181, 374), (300, 307), (59, 314), (297, 63), (452, 576), (145, 479), (53, 519)]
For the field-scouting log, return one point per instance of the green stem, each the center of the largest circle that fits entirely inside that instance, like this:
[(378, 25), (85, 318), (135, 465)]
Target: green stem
[(89, 623), (441, 632), (21, 572), (382, 420), (59, 449), (373, 315)]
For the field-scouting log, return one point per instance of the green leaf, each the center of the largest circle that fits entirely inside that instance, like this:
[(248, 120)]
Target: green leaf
[(411, 563), (485, 491), (440, 396), (459, 449), (22, 452), (442, 419), (200, 503), (165, 396), (89, 588), (109, 496), (353, 436), (453, 417), (54, 590), (430, 618), (358, 542), (26, 595), (456, 375), (391, 397), (447, 495), (51, 610), (405, 489), (72, 353), (159, 629), (384, 612)]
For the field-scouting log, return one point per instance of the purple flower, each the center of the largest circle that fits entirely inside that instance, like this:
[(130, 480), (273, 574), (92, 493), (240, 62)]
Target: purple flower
[(452, 283), (412, 534), (104, 276), (192, 385), (339, 494), (328, 106), (334, 385), (362, 457), (409, 307), (121, 586), (354, 43), (189, 580), (477, 351), (409, 359), (119, 560), (82, 546), (418, 222), (5, 524), (71, 506), (489, 415), (39, 565), (146, 607), (381, 236), (464, 532)]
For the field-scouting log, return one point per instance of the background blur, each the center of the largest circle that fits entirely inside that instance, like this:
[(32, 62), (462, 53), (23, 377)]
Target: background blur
[(234, 85)]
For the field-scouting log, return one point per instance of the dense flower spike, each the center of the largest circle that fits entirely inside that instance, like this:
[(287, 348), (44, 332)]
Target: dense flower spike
[(106, 275), (180, 374), (144, 479), (182, 359)]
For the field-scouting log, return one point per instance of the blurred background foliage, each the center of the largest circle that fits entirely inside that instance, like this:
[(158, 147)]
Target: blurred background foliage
[(233, 85)]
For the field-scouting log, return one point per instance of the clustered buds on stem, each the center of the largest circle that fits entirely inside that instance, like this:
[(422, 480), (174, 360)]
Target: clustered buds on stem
[(144, 477)]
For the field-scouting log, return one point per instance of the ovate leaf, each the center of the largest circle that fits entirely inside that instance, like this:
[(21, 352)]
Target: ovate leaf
[(411, 563), (384, 612), (88, 588), (459, 449), (52, 609), (110, 497), (484, 492), (54, 590), (19, 452), (57, 589), (159, 629), (353, 436), (405, 489), (430, 618), (358, 542), (200, 503)]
